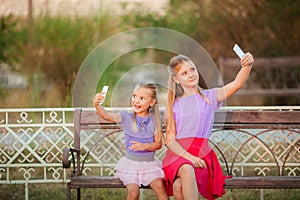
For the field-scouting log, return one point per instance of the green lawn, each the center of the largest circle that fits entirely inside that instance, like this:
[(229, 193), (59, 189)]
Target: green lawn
[(58, 191)]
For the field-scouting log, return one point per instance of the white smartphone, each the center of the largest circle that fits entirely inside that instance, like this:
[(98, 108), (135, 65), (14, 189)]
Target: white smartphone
[(104, 89), (238, 51)]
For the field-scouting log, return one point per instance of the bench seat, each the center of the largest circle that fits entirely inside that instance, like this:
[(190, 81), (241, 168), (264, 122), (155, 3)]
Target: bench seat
[(239, 182), (263, 182)]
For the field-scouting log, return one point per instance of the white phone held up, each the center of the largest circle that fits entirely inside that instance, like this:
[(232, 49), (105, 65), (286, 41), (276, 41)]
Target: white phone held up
[(104, 91), (238, 51)]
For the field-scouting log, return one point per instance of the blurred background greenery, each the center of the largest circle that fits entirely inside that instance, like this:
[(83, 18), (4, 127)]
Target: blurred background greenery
[(43, 52)]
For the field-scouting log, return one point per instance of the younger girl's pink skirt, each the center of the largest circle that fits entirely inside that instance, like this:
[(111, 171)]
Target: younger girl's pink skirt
[(138, 172), (210, 180)]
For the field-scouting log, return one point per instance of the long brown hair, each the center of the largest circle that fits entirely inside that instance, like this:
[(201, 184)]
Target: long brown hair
[(153, 110), (175, 90)]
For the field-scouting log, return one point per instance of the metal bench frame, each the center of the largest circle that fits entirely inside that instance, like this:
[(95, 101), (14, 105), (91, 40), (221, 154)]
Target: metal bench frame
[(226, 120)]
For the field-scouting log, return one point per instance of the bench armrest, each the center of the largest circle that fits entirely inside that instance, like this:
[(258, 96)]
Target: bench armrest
[(66, 163)]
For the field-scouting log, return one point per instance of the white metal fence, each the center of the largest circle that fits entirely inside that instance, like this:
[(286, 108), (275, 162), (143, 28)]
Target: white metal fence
[(31, 144)]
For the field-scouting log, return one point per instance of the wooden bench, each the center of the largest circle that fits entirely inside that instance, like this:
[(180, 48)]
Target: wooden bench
[(274, 130)]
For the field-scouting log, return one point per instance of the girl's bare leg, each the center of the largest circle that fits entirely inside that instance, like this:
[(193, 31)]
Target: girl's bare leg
[(187, 177), (133, 191), (158, 187), (177, 189)]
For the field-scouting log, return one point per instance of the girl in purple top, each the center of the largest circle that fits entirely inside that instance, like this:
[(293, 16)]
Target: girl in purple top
[(143, 135), (190, 165)]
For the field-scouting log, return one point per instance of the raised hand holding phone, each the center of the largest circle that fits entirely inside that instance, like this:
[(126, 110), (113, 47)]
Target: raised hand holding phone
[(104, 91)]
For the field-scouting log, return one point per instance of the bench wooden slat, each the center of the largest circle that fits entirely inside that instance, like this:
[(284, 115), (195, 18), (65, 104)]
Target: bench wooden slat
[(263, 182), (239, 182), (95, 182), (224, 117), (258, 117)]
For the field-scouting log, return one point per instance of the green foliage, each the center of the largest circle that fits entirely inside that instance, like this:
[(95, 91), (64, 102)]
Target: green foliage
[(57, 48), (10, 37), (53, 48), (138, 20), (5, 31), (217, 25)]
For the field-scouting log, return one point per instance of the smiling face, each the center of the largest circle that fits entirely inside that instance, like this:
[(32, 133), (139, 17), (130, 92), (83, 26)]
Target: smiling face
[(141, 100), (187, 75)]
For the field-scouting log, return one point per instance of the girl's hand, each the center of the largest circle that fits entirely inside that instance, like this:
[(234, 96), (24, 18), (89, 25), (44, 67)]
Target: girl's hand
[(198, 162), (137, 146), (99, 99), (247, 60)]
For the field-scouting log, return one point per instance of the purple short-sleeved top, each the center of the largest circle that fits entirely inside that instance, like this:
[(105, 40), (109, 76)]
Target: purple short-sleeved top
[(144, 134), (193, 116)]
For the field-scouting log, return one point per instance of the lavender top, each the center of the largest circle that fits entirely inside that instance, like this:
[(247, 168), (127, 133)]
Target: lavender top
[(144, 134), (193, 116)]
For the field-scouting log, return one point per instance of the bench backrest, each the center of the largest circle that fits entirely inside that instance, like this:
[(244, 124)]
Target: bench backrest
[(282, 125)]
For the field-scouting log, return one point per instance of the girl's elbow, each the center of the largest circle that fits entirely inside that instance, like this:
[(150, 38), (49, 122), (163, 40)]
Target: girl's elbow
[(238, 85), (159, 145), (155, 146), (105, 117)]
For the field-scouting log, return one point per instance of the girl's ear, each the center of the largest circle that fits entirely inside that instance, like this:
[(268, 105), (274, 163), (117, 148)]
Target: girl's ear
[(152, 102), (175, 79)]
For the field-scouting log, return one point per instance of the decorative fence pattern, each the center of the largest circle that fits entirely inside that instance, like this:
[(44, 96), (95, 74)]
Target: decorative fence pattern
[(259, 152), (32, 142)]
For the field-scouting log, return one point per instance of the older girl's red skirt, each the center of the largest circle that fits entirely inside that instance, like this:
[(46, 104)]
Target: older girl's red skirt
[(210, 180)]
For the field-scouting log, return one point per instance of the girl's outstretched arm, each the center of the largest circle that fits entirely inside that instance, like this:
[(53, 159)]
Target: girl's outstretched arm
[(232, 87), (112, 117)]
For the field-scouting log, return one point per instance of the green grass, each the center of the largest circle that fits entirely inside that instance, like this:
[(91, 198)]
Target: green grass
[(58, 192), (254, 194)]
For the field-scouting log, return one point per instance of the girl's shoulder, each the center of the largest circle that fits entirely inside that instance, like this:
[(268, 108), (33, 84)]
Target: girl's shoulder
[(208, 91), (127, 112), (126, 115)]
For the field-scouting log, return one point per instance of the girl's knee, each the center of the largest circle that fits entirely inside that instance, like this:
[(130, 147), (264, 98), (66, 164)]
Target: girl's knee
[(157, 184), (133, 194), (186, 169), (177, 188)]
